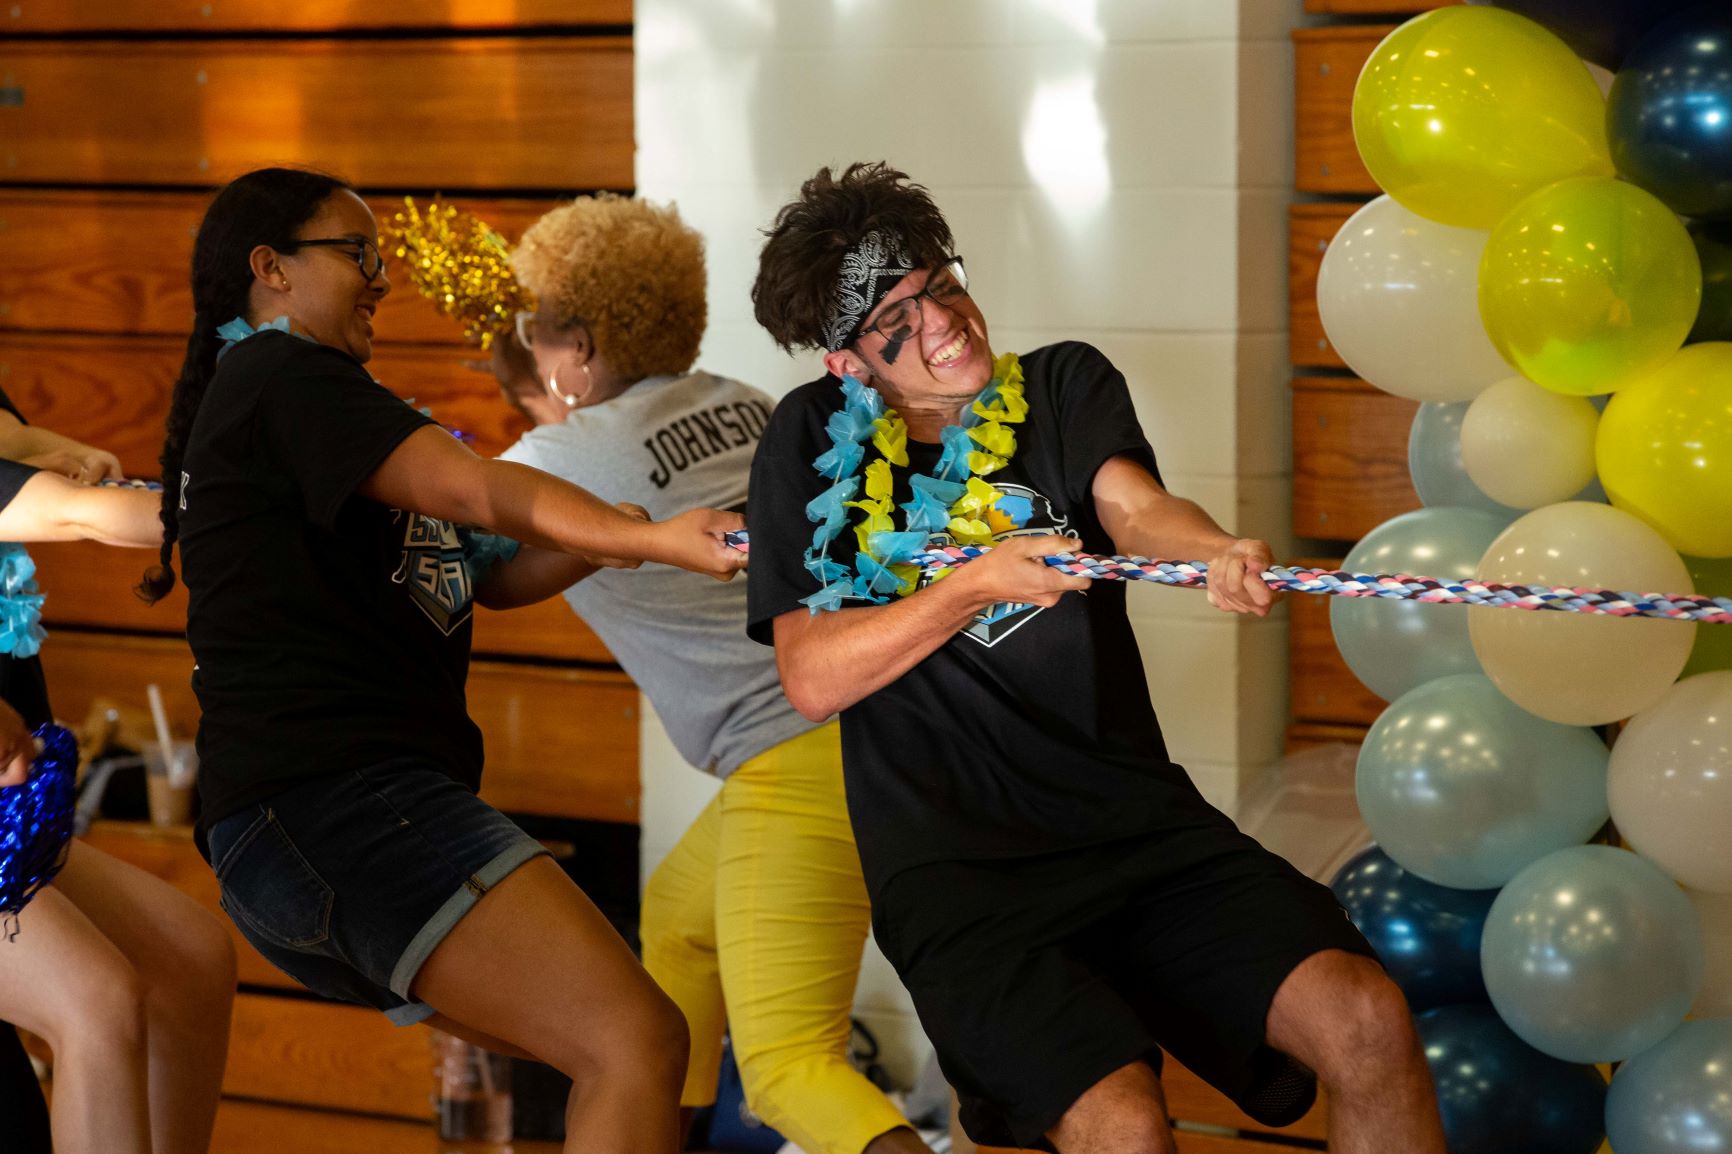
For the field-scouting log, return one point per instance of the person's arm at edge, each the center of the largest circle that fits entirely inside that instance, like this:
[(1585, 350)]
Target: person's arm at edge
[(434, 474), (49, 507), (1145, 520), (829, 661), (46, 449)]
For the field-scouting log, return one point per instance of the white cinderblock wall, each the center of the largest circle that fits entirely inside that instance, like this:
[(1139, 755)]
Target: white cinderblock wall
[(1115, 171)]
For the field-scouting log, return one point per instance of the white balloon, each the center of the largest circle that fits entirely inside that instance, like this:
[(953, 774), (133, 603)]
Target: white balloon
[(1526, 446), (1568, 667), (1715, 912), (1670, 783), (1399, 297)]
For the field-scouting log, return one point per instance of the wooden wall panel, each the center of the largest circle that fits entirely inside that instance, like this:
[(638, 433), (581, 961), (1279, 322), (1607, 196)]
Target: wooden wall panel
[(561, 742), (1305, 735), (1310, 228), (118, 262), (1327, 63), (250, 1127), (1349, 457), (323, 1054), (1323, 689), (477, 113), (90, 586), (158, 16)]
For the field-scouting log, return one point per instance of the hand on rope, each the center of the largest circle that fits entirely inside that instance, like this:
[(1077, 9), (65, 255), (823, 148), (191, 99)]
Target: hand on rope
[(1341, 583)]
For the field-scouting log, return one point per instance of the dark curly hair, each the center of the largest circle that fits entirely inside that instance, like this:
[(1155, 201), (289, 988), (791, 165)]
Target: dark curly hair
[(263, 207), (802, 259)]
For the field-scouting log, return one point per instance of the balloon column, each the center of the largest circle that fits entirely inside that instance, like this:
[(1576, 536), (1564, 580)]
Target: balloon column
[(1528, 277)]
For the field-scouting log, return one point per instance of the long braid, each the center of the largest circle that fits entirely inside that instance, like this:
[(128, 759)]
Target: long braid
[(265, 207)]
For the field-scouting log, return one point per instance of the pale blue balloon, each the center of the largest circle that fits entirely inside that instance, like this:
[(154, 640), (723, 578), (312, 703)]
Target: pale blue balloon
[(1465, 788), (1434, 460), (1394, 646), (1592, 954), (1675, 1098)]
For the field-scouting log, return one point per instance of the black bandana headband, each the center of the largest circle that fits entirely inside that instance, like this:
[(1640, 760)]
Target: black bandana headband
[(870, 270)]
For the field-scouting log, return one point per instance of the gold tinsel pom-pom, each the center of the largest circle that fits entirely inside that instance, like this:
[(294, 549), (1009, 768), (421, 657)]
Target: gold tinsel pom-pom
[(461, 265)]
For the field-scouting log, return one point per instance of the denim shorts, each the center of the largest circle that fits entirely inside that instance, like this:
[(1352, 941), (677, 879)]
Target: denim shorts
[(348, 882)]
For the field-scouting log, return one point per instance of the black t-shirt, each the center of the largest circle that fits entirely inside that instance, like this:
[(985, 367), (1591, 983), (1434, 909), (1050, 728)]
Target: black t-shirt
[(22, 685), (330, 631), (1031, 730)]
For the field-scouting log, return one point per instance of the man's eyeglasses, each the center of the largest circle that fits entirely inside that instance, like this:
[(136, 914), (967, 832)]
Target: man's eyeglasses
[(902, 320), (366, 256)]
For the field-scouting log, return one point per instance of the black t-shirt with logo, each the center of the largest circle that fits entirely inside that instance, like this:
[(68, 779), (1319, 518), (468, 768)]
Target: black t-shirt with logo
[(22, 684), (331, 632), (1030, 731)]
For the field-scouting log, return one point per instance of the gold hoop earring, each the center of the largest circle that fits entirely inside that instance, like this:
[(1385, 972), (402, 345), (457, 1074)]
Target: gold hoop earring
[(571, 400)]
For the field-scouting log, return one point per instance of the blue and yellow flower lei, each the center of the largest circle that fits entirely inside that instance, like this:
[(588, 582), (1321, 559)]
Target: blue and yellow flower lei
[(952, 498)]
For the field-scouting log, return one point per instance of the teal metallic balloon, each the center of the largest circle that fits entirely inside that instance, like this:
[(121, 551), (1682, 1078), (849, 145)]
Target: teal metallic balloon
[(1465, 788), (1394, 646), (1434, 460), (1591, 954), (1677, 1097), (1497, 1093)]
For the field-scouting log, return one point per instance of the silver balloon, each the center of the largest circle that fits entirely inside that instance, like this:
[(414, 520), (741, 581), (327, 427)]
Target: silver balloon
[(1677, 1097), (1464, 788), (1394, 646), (1592, 955)]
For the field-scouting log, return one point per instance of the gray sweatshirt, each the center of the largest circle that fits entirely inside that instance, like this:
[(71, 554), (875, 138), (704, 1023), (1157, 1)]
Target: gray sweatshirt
[(672, 444)]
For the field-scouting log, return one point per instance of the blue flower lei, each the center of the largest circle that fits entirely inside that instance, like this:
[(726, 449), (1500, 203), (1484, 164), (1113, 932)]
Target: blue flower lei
[(21, 632), (952, 498)]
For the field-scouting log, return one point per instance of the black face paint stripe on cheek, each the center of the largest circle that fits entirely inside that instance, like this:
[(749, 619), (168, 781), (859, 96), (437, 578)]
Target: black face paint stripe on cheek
[(892, 350)]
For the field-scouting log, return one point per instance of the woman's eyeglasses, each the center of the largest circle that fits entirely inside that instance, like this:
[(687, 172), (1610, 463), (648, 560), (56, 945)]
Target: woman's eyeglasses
[(366, 256)]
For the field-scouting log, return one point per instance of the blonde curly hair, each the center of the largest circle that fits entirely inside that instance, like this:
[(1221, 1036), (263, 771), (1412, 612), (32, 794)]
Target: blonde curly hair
[(630, 271)]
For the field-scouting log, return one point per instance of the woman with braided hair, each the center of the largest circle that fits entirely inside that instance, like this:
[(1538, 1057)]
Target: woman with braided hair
[(330, 602)]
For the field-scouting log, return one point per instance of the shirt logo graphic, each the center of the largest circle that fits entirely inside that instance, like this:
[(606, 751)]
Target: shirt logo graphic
[(1018, 513), (432, 568)]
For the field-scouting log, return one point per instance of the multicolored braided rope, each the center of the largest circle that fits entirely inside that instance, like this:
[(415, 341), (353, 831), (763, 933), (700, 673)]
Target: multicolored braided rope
[(1341, 583)]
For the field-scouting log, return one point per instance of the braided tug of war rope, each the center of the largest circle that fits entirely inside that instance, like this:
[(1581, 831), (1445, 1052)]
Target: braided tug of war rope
[(1341, 583)]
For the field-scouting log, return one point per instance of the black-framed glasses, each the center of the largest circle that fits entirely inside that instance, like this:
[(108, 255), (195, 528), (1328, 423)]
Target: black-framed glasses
[(366, 256), (899, 322)]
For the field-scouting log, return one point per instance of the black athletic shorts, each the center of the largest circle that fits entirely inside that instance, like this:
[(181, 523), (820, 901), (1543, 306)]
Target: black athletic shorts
[(1037, 977)]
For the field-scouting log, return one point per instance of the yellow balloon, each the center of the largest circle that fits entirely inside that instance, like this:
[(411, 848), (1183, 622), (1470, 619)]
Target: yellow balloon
[(1665, 450), (1588, 283), (1463, 111), (1713, 649)]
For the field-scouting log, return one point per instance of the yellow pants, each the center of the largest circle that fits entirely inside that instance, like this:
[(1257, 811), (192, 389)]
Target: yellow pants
[(758, 918)]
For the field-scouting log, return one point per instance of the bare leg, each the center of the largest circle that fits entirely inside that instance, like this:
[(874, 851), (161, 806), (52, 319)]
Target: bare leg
[(537, 967), (1123, 1113), (1341, 1015), (63, 980), (186, 963)]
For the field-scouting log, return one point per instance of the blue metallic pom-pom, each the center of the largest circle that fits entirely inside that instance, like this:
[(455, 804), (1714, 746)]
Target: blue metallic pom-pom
[(36, 823)]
